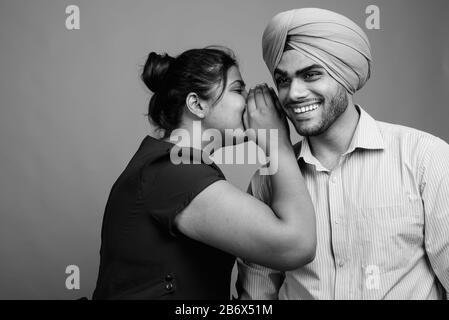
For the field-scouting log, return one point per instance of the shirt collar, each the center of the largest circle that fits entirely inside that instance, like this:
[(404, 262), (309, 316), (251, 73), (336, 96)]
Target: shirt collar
[(366, 136), (306, 154)]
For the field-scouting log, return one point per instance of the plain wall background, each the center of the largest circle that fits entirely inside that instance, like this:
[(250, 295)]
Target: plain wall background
[(72, 107)]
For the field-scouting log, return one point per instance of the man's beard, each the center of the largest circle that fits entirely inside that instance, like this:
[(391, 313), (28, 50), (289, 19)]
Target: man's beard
[(336, 106)]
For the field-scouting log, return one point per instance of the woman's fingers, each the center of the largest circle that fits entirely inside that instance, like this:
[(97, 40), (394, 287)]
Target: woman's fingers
[(259, 98), (268, 97), (281, 110), (251, 103), (249, 132), (275, 100), (245, 118), (246, 125)]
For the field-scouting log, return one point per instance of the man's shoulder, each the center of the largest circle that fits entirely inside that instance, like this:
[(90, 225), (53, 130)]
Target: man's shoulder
[(411, 143), (395, 133)]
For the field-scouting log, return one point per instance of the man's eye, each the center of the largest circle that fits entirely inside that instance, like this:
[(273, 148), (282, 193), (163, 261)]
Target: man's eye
[(311, 75), (282, 80)]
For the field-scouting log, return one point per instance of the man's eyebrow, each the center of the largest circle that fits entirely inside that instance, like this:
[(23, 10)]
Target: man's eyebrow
[(298, 72), (280, 72)]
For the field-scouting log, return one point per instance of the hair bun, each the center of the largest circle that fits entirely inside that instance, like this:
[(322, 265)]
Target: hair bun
[(155, 70)]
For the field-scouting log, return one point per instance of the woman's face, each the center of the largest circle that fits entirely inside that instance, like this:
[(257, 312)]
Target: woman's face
[(227, 113)]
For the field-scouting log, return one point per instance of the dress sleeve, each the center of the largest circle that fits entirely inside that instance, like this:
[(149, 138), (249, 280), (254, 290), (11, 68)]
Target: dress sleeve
[(169, 188)]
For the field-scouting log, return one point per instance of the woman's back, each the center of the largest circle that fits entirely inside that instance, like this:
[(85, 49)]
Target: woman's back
[(167, 227), (143, 256)]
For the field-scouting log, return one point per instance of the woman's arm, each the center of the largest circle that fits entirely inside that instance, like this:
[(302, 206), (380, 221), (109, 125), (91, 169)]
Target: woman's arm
[(281, 237)]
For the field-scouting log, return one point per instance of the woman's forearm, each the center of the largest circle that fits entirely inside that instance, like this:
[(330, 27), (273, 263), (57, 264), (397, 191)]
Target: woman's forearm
[(291, 201)]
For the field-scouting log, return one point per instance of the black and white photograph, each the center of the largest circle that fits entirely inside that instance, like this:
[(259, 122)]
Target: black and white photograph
[(224, 154)]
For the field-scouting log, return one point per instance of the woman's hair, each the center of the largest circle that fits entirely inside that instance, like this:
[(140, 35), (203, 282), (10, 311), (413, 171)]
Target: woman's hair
[(202, 71)]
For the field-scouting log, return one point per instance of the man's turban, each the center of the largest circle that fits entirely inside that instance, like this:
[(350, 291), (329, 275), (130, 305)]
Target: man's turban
[(330, 39)]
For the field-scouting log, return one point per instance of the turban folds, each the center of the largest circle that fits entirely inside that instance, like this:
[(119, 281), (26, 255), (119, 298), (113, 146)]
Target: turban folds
[(330, 39)]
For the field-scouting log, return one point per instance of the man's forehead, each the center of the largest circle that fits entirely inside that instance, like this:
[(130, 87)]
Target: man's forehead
[(293, 61)]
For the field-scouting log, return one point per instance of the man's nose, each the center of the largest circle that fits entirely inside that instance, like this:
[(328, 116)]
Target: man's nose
[(298, 90)]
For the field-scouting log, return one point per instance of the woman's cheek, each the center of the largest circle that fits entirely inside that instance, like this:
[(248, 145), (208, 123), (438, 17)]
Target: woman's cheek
[(241, 103)]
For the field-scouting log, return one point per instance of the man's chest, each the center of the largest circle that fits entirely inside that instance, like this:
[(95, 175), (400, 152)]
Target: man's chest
[(370, 211)]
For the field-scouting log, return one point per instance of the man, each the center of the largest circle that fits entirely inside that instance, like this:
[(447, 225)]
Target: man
[(380, 191)]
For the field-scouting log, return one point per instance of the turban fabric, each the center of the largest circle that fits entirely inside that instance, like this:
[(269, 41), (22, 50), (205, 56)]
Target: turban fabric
[(328, 38)]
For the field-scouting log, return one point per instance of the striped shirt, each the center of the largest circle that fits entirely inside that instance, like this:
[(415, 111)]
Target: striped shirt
[(382, 217)]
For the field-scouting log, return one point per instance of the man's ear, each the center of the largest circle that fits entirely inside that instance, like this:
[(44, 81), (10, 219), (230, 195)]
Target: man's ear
[(197, 106)]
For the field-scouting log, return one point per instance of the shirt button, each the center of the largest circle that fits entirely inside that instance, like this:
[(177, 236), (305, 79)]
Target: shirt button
[(169, 286), (334, 179), (341, 263)]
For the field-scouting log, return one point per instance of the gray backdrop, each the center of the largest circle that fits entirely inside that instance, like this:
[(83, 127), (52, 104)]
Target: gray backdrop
[(72, 107)]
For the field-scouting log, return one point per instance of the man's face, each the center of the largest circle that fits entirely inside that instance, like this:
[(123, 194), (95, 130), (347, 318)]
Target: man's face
[(312, 99)]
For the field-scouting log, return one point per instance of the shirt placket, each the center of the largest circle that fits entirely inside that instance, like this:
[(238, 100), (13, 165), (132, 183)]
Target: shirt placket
[(339, 236)]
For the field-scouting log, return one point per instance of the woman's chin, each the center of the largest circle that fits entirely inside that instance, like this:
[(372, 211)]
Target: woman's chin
[(241, 127), (235, 139)]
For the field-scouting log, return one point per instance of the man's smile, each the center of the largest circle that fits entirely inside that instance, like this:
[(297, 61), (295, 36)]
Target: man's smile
[(305, 107)]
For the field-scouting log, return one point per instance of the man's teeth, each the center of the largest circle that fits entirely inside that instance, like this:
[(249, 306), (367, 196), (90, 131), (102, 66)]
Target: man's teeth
[(307, 108)]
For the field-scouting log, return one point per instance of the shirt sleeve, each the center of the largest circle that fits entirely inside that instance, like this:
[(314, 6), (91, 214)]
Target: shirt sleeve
[(173, 187), (255, 282), (435, 194)]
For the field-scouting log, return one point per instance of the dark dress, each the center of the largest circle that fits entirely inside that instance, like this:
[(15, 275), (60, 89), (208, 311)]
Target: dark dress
[(143, 255)]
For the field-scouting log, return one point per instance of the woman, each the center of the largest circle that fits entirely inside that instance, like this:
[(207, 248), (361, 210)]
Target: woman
[(173, 231)]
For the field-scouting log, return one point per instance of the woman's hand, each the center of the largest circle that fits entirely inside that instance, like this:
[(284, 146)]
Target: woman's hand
[(264, 111), (281, 235)]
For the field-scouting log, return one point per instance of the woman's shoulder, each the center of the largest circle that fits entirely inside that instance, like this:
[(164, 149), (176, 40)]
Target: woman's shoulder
[(168, 160), (151, 149)]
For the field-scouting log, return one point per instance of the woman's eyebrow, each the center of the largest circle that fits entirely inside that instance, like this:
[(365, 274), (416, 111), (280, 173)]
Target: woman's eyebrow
[(239, 82)]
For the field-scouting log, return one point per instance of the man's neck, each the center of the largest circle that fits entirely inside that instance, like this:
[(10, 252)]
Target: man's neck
[(330, 145)]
